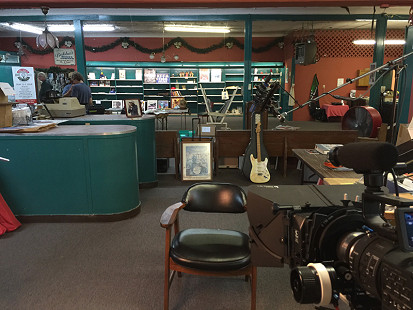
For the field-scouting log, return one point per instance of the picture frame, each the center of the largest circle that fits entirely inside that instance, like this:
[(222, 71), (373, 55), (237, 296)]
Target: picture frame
[(117, 104), (133, 108), (196, 160)]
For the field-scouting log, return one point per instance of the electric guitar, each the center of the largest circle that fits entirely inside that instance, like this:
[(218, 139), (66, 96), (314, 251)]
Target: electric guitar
[(259, 172), (254, 166)]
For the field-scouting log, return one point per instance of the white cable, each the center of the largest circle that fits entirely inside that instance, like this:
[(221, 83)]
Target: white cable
[(325, 283)]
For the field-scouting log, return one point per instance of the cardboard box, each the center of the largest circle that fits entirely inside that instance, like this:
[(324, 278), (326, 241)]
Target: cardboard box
[(6, 119)]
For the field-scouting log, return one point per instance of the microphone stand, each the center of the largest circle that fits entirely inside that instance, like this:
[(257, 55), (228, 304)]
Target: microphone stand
[(391, 63)]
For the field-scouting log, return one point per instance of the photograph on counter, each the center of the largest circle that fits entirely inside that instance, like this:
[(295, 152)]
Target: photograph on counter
[(163, 104), (133, 108), (117, 104), (151, 104)]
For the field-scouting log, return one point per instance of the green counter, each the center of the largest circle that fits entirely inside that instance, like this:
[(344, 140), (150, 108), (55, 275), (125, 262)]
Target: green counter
[(78, 171), (145, 140)]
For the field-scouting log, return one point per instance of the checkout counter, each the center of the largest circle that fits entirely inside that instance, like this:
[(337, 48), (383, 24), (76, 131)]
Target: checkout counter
[(71, 173), (145, 141), (74, 114)]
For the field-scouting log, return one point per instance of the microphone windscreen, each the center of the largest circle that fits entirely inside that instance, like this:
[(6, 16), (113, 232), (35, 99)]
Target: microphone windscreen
[(365, 157)]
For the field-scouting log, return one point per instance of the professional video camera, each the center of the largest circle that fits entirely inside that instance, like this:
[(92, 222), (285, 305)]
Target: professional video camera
[(339, 248)]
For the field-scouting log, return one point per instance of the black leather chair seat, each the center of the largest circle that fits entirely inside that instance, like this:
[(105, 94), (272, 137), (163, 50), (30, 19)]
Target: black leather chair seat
[(211, 249)]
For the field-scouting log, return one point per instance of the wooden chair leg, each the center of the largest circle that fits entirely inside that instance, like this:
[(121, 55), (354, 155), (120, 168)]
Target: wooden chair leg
[(254, 288), (166, 287)]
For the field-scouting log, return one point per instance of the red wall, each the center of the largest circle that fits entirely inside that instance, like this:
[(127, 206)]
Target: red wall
[(328, 69)]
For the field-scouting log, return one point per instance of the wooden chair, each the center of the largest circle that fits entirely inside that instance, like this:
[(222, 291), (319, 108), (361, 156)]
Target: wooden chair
[(207, 252)]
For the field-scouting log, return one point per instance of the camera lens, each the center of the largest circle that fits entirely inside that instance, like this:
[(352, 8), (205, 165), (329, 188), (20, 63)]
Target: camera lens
[(313, 284), (305, 285)]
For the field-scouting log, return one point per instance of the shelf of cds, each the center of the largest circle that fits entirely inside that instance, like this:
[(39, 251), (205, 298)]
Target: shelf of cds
[(175, 85)]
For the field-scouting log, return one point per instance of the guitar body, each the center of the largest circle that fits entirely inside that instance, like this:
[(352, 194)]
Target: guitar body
[(259, 172), (255, 164)]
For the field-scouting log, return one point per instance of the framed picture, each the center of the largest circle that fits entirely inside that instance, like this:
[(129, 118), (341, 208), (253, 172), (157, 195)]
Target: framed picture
[(196, 160), (133, 108), (151, 104), (117, 104)]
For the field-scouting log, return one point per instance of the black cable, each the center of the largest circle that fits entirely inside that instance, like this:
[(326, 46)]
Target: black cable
[(396, 185)]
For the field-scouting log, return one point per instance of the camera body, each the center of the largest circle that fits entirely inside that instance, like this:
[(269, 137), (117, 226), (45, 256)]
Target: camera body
[(338, 248)]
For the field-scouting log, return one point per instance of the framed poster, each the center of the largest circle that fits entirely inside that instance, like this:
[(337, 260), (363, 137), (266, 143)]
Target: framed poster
[(64, 56), (24, 84), (149, 76), (216, 75), (133, 108), (204, 75), (196, 160)]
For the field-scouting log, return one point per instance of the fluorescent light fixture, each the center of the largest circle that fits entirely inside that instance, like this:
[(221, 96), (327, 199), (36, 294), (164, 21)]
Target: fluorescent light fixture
[(98, 27), (24, 27), (394, 42), (61, 28), (389, 20), (364, 42), (192, 28), (386, 42)]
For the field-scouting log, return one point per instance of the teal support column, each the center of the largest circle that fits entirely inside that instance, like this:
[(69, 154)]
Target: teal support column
[(406, 80), (378, 58), (80, 48), (247, 65)]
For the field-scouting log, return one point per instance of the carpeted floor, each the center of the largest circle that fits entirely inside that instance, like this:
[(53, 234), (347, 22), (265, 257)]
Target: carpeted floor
[(119, 265)]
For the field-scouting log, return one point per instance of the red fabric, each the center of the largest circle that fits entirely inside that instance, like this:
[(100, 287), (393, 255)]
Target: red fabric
[(8, 221), (335, 110)]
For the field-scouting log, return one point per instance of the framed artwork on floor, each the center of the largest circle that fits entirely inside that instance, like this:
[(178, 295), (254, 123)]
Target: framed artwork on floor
[(196, 160)]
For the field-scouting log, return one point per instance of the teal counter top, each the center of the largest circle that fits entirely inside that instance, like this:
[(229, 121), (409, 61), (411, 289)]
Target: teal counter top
[(71, 171)]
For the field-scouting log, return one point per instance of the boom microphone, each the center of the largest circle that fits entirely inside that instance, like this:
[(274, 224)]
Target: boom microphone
[(365, 157)]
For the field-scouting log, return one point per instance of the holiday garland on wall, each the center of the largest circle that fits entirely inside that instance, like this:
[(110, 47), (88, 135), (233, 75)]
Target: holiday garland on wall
[(178, 42)]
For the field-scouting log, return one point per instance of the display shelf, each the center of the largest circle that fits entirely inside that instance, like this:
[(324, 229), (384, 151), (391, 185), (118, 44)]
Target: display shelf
[(182, 77)]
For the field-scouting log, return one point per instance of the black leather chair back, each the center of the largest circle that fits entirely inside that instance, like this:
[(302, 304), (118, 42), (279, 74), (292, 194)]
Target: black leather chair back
[(215, 197)]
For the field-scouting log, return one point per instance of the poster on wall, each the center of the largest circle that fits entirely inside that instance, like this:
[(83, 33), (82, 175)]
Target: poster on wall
[(24, 84), (64, 56)]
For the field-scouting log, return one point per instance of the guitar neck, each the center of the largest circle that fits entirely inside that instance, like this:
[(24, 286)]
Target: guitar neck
[(258, 145)]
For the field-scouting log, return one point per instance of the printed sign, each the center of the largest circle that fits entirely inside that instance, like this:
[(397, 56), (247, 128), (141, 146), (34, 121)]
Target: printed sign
[(24, 84), (64, 56)]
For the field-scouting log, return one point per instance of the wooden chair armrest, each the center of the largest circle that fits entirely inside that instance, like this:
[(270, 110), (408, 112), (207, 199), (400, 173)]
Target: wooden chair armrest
[(169, 215)]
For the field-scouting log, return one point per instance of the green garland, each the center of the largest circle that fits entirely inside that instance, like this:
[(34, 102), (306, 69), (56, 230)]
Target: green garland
[(55, 69), (228, 43)]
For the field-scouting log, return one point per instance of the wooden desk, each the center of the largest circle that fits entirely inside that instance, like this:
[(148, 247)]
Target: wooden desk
[(316, 164), (232, 143)]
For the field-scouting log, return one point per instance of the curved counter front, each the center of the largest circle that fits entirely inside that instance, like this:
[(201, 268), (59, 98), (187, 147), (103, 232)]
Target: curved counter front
[(145, 140), (71, 172)]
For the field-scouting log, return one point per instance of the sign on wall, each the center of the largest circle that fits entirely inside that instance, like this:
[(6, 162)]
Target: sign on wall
[(24, 84), (64, 56)]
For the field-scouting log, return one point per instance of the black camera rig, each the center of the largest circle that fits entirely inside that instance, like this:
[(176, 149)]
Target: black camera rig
[(339, 248)]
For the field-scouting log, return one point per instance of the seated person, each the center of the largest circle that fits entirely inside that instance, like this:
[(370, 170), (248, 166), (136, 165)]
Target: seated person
[(80, 90)]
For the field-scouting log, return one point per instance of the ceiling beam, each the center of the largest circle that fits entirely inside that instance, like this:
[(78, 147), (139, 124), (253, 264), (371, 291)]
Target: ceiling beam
[(199, 3)]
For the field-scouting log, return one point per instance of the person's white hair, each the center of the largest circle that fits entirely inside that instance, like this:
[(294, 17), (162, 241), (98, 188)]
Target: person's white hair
[(41, 74)]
